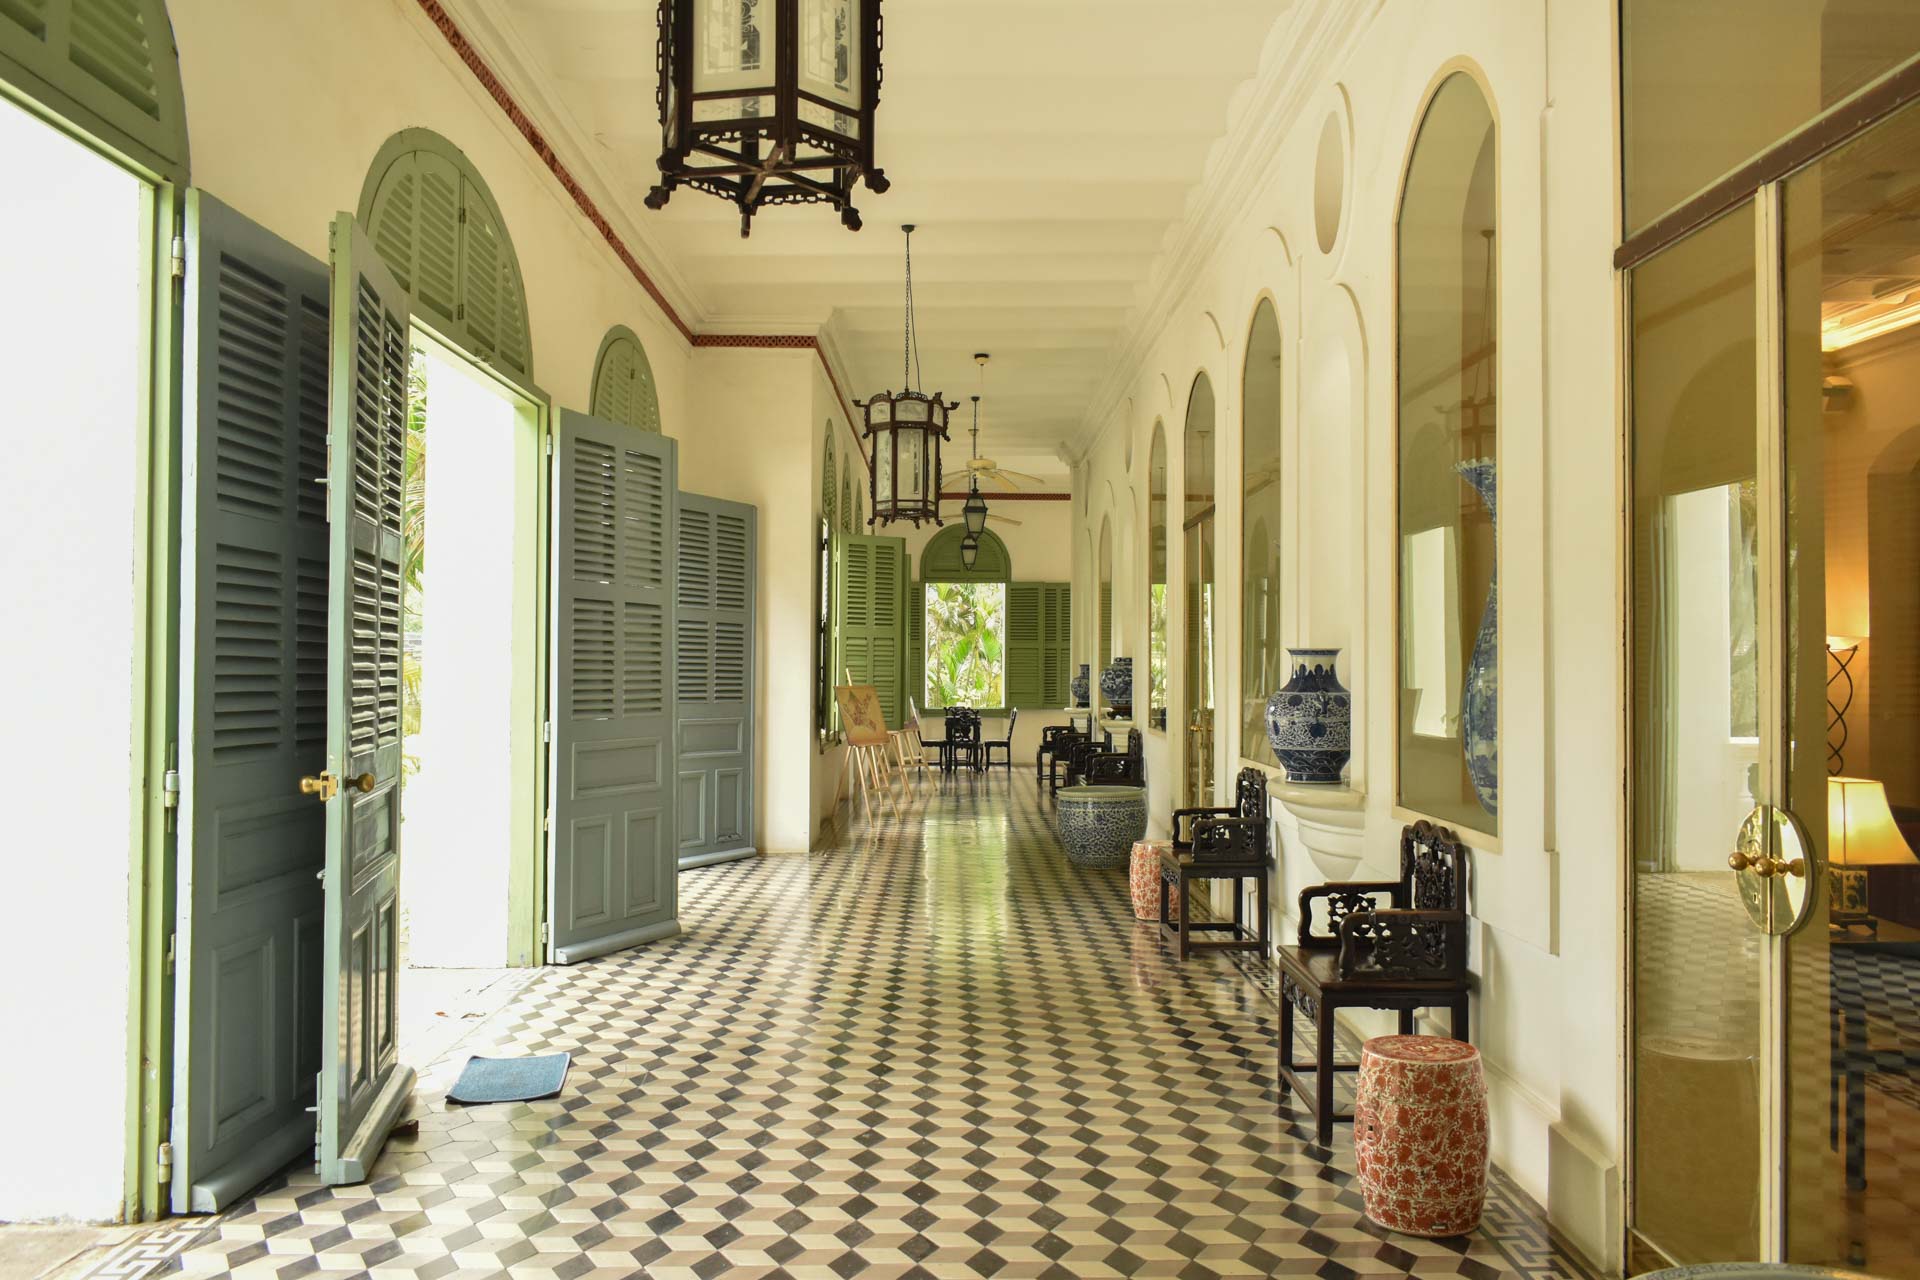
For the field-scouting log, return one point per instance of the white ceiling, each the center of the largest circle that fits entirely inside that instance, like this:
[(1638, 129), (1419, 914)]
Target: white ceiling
[(1044, 148)]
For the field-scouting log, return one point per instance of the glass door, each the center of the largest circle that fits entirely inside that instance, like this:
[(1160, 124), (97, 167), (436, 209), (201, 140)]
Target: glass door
[(1850, 983), (1774, 457)]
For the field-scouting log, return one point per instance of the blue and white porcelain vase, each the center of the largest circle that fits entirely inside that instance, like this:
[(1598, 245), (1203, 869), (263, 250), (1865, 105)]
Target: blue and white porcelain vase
[(1116, 687), (1082, 684), (1310, 720), (1480, 698)]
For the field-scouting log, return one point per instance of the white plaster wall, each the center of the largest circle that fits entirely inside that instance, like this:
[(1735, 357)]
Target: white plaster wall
[(1547, 901), (69, 520)]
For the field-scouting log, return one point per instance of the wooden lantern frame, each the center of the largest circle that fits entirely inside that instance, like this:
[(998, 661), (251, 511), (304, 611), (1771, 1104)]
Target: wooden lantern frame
[(756, 161), (883, 431)]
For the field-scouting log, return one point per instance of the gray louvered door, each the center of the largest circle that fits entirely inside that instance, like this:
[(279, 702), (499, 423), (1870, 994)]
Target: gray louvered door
[(363, 1084), (253, 613), (713, 678), (613, 856)]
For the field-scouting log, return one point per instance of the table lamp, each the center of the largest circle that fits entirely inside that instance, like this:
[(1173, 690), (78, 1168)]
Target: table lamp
[(1861, 833)]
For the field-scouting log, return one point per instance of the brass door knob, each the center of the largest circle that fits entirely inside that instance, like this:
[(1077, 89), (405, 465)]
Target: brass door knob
[(364, 783), (325, 786), (1742, 861), (1781, 867)]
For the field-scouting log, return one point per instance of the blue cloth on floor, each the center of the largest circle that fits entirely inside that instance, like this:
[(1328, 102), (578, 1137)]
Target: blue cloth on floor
[(510, 1079)]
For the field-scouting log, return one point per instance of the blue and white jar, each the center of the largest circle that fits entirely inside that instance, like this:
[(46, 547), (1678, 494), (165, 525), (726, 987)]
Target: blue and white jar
[(1116, 687), (1310, 719), (1082, 684), (1480, 698)]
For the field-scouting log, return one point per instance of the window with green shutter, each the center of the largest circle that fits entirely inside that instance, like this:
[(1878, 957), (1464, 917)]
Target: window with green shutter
[(870, 618), (1035, 625), (106, 70), (623, 388), (437, 228)]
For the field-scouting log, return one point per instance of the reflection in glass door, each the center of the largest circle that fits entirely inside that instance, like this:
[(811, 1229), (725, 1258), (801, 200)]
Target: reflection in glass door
[(1775, 610), (1850, 308), (1698, 1060), (1198, 531)]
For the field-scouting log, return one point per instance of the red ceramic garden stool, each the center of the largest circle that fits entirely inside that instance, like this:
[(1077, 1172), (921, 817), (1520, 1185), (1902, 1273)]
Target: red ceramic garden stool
[(1420, 1134), (1143, 877)]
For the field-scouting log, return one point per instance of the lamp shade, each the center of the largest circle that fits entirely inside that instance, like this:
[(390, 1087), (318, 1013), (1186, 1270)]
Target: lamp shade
[(969, 551), (975, 513), (1860, 828)]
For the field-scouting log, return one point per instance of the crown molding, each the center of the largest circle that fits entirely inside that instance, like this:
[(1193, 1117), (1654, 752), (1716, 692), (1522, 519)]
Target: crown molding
[(494, 36), (1322, 32)]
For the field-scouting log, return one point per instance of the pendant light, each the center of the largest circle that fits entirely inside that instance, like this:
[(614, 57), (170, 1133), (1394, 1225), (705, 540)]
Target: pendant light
[(766, 102), (905, 429), (975, 510)]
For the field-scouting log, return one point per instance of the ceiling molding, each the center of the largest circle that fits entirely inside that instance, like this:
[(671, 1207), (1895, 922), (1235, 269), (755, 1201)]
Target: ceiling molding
[(1321, 32), (499, 59)]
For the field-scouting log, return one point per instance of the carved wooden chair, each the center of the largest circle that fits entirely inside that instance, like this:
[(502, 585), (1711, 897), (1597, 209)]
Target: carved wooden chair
[(1054, 741), (1002, 744), (1069, 757), (1219, 844), (1126, 768), (1381, 944)]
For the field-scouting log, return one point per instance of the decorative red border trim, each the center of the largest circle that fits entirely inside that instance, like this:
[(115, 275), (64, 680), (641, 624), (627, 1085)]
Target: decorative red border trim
[(538, 141), (1011, 497), (777, 341)]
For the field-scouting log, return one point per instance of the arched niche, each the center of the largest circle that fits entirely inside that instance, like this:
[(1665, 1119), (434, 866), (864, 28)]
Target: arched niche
[(1156, 558), (1447, 463), (623, 389), (436, 226), (1262, 660)]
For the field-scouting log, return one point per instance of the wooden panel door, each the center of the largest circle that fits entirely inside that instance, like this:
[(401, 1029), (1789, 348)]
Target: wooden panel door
[(253, 686), (713, 678), (363, 1084), (613, 856)]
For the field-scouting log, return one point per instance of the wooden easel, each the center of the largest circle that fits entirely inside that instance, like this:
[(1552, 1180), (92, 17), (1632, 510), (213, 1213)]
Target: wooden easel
[(869, 743)]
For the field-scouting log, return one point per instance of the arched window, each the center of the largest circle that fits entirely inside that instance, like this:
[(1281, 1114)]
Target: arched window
[(1157, 579), (1105, 619), (966, 635), (1262, 668), (1197, 564), (846, 499), (623, 381), (439, 231), (108, 71), (1447, 325)]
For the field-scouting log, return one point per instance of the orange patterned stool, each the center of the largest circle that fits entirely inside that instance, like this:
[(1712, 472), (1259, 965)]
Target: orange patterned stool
[(1420, 1134), (1143, 877)]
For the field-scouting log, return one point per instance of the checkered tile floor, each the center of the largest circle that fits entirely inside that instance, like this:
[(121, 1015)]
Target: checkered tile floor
[(933, 1049)]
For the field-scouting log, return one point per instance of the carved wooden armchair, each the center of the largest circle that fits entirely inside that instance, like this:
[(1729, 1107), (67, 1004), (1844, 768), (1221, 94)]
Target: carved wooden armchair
[(1219, 844), (1054, 741), (1126, 768), (1381, 944)]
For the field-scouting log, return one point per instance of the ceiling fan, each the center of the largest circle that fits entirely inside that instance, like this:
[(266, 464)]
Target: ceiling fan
[(979, 468), (975, 511)]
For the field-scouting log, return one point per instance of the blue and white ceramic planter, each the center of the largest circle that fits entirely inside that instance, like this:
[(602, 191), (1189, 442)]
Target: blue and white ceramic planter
[(1310, 720), (1098, 825), (1480, 697), (1082, 684), (1116, 687)]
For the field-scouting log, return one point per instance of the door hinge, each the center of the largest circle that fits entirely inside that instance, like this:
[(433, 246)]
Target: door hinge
[(546, 732), (549, 444), (170, 786), (545, 930), (172, 940), (177, 258), (163, 1160)]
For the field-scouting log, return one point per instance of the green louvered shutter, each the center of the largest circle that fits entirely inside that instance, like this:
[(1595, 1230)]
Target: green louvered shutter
[(438, 230), (1026, 678), (493, 303), (623, 388), (108, 67), (870, 608), (917, 644), (1056, 641)]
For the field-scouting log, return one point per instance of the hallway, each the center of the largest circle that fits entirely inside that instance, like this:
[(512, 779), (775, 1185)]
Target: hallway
[(932, 1049)]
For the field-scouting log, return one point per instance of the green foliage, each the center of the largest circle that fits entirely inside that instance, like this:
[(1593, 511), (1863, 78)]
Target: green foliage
[(966, 639), (1157, 647)]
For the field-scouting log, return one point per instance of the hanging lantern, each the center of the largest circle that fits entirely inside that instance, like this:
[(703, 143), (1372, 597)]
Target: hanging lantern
[(969, 551), (768, 102), (975, 512), (905, 429)]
